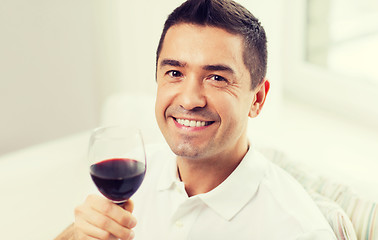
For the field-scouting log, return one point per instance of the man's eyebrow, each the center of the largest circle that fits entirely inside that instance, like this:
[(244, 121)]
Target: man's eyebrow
[(218, 67), (211, 67), (171, 62)]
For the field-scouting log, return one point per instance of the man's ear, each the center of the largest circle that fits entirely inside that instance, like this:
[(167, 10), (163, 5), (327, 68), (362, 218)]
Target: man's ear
[(259, 98)]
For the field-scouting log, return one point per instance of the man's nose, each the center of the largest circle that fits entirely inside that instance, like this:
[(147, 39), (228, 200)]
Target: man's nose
[(192, 94)]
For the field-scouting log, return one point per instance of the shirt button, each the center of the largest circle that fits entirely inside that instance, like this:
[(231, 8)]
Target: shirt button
[(179, 224)]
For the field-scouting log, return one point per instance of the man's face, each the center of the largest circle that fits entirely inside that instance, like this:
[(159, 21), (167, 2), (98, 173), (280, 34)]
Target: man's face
[(204, 96)]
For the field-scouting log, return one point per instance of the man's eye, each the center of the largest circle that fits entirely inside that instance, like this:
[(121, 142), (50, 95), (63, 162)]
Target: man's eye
[(218, 78), (175, 74)]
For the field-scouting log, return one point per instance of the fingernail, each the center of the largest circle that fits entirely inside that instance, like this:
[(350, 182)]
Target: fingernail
[(132, 235), (133, 223)]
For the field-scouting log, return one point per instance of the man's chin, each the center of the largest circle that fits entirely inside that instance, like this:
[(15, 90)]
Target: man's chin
[(185, 150)]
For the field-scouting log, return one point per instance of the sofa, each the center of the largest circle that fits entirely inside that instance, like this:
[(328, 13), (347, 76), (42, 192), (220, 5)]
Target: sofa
[(42, 184)]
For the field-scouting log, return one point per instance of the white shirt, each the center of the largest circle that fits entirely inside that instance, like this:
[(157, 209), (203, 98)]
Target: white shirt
[(258, 200)]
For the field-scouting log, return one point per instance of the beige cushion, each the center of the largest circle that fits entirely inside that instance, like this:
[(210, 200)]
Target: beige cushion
[(350, 216), (336, 216)]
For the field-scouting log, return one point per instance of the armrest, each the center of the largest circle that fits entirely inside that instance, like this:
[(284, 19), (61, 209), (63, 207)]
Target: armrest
[(41, 185)]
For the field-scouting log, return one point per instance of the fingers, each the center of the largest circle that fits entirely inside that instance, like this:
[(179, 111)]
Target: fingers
[(85, 230), (112, 211), (99, 218), (128, 205)]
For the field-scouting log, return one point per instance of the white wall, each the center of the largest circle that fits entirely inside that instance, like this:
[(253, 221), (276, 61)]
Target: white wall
[(128, 32), (46, 70)]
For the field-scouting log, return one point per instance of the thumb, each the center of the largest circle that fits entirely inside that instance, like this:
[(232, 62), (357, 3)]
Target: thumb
[(128, 205)]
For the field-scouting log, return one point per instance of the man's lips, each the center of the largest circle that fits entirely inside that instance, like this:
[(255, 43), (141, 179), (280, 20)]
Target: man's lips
[(192, 123)]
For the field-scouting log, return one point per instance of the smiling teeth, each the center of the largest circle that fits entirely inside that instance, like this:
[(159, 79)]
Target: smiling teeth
[(191, 123)]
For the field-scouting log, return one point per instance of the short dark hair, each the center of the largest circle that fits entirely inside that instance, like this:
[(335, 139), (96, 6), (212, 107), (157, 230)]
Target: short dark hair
[(232, 17)]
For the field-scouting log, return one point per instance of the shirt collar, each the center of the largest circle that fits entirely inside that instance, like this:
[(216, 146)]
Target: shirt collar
[(238, 188), (169, 175)]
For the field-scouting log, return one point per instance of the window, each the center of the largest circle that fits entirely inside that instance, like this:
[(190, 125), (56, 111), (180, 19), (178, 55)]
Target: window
[(342, 36), (331, 56)]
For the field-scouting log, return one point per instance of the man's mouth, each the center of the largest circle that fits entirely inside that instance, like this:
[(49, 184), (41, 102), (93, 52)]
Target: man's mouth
[(192, 123)]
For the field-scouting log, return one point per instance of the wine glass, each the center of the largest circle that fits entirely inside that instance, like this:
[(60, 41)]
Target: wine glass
[(117, 161)]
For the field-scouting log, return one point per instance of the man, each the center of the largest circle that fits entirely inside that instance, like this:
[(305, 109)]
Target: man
[(210, 72)]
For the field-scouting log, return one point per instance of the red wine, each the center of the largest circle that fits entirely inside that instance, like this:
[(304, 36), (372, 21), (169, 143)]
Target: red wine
[(118, 178)]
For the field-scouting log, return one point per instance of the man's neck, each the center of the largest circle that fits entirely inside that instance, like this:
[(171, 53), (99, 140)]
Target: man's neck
[(201, 176)]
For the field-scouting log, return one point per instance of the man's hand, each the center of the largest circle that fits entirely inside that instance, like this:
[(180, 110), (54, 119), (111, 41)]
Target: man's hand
[(99, 218)]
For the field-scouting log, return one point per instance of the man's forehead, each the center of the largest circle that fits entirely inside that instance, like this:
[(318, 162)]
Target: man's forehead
[(214, 46)]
